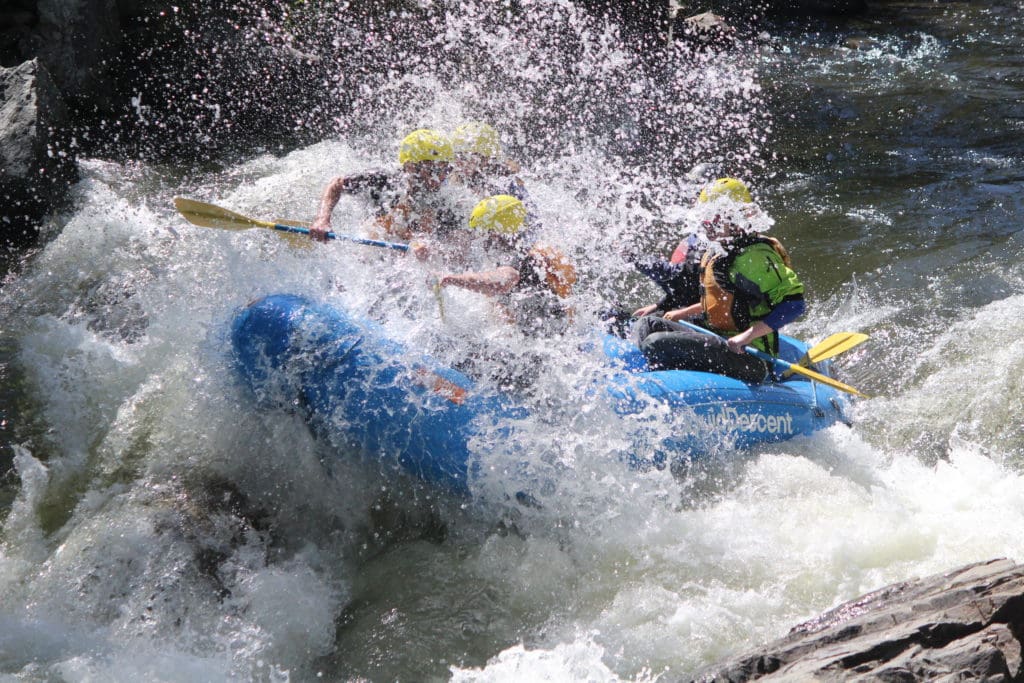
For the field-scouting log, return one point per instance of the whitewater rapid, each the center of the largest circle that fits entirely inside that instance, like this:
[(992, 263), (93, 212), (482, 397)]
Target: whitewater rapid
[(162, 526)]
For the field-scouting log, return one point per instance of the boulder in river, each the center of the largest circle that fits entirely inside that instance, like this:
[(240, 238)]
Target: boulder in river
[(705, 30), (35, 171), (965, 624)]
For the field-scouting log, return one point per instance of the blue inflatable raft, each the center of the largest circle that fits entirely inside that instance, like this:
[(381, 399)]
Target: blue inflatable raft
[(404, 409)]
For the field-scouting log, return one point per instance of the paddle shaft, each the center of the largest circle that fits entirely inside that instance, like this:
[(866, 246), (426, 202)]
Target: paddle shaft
[(397, 246), (779, 363), (212, 216)]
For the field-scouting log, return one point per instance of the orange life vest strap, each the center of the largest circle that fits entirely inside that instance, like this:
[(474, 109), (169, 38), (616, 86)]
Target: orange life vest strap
[(559, 273)]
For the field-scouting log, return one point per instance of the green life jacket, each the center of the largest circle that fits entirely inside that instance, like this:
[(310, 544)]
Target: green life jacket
[(744, 284)]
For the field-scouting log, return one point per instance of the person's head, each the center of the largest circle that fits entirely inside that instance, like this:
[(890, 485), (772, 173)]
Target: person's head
[(500, 216), (476, 138), (426, 157), (723, 227), (725, 188), (724, 204), (475, 145)]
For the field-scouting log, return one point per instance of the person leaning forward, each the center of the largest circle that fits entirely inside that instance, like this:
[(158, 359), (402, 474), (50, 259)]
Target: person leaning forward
[(408, 201), (480, 165), (679, 276), (748, 291), (529, 282)]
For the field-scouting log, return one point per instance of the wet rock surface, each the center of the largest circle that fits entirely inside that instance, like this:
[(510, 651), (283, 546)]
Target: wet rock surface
[(966, 624), (35, 173)]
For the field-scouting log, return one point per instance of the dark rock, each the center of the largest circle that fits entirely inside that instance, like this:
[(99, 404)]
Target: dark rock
[(861, 43), (705, 30), (35, 168), (820, 7), (17, 19), (204, 82), (798, 8), (58, 52), (966, 624), (75, 39)]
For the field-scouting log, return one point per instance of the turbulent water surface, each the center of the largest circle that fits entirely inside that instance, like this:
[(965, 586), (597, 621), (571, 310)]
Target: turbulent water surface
[(158, 525)]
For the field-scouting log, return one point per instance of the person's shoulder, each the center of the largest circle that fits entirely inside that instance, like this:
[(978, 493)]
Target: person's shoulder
[(550, 255), (370, 180), (752, 255), (758, 248), (774, 251), (376, 176), (559, 271)]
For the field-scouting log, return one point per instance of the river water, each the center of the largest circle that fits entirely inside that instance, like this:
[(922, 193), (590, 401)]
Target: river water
[(157, 525)]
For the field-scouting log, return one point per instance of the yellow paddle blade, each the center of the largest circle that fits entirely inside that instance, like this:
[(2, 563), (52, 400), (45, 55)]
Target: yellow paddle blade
[(211, 216), (833, 345), (818, 377)]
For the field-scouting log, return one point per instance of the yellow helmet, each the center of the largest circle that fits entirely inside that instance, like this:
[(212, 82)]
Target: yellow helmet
[(501, 213), (424, 145), (726, 187), (478, 138)]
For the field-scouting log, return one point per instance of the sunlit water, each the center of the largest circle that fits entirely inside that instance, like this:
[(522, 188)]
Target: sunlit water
[(159, 526)]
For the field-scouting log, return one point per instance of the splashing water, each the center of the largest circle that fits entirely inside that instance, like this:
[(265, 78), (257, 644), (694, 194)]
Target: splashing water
[(162, 526)]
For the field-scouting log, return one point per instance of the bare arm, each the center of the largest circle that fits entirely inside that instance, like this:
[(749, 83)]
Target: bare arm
[(322, 223), (691, 311), (645, 310), (490, 282), (744, 338)]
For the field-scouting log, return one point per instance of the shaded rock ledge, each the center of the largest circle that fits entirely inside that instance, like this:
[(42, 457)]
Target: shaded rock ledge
[(966, 624)]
